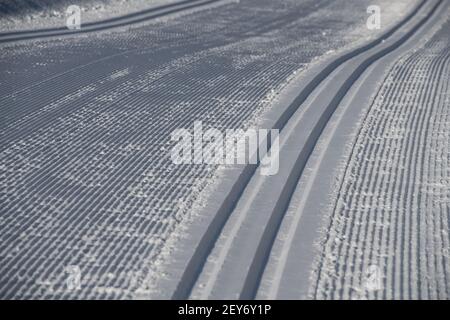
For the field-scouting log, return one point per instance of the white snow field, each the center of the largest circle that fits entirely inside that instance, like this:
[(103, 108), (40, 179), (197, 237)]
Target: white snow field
[(87, 182)]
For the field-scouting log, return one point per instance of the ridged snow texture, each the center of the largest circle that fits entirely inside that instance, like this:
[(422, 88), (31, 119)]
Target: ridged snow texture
[(393, 207), (86, 177)]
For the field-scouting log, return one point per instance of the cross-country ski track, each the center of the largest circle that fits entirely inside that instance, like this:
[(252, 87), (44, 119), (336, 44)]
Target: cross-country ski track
[(115, 22), (248, 236), (86, 177)]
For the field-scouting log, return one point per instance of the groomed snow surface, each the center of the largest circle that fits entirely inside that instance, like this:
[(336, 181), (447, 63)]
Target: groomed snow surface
[(86, 176), (35, 14), (391, 216)]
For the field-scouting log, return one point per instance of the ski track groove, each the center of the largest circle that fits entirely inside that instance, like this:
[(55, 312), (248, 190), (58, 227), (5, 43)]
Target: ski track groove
[(107, 24), (56, 193), (358, 233), (85, 197)]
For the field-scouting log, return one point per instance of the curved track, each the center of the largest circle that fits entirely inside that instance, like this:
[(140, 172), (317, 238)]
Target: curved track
[(116, 22), (85, 139), (247, 229), (86, 173)]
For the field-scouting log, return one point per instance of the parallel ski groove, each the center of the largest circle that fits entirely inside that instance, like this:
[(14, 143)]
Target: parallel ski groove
[(82, 191), (194, 268), (106, 24)]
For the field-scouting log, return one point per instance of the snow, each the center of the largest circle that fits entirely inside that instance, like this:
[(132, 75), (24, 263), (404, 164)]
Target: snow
[(86, 136), (46, 14)]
